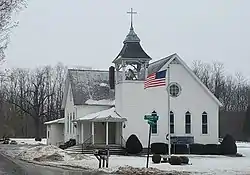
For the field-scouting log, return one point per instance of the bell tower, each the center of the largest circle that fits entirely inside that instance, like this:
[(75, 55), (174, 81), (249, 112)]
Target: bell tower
[(132, 61)]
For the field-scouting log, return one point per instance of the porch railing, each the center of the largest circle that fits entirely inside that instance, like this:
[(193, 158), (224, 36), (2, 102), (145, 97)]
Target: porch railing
[(86, 143)]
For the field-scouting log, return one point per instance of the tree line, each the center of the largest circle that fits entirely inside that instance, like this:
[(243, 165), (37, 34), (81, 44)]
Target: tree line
[(29, 97), (231, 90)]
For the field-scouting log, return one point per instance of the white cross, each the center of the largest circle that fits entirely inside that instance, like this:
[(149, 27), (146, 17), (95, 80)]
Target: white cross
[(131, 14)]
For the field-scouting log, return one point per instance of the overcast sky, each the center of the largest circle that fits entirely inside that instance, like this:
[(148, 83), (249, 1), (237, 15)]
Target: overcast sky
[(90, 33)]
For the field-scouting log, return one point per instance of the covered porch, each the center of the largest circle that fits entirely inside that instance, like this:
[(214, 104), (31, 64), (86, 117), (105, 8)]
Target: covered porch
[(101, 129)]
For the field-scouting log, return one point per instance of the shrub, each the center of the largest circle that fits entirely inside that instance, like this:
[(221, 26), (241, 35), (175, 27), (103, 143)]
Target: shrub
[(72, 142), (62, 146), (38, 139), (159, 148), (156, 158), (211, 149), (228, 146), (184, 159), (175, 160), (133, 145), (181, 149), (196, 148)]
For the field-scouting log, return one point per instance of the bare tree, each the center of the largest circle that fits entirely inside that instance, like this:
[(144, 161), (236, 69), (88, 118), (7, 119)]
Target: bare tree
[(232, 91), (7, 8), (35, 94)]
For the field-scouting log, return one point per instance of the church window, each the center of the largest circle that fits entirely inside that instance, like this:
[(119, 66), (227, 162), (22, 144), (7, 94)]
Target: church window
[(73, 123), (68, 123), (171, 122), (204, 123), (154, 128), (70, 95), (174, 90), (188, 123)]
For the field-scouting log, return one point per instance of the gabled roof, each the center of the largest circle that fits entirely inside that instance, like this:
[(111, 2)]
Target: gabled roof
[(57, 121), (155, 66), (109, 115), (88, 86), (175, 56), (159, 64)]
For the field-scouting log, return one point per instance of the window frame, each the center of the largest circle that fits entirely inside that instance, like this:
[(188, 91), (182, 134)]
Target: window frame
[(204, 124), (68, 123), (73, 123), (172, 126), (174, 85), (154, 129), (188, 125)]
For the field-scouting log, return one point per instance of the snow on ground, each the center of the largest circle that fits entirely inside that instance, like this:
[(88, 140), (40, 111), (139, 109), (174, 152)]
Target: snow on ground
[(200, 164), (29, 141)]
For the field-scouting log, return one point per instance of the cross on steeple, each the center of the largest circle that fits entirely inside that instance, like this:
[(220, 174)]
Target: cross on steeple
[(131, 15)]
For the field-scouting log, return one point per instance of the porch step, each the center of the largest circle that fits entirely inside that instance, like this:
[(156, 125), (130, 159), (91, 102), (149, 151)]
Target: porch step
[(113, 149)]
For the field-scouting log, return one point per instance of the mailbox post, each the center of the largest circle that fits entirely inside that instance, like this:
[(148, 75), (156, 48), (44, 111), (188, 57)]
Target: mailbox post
[(102, 156)]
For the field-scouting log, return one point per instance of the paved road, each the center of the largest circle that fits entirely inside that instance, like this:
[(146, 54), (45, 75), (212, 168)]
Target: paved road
[(8, 167)]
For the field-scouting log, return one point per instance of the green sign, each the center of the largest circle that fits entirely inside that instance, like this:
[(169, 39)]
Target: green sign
[(151, 122), (150, 117)]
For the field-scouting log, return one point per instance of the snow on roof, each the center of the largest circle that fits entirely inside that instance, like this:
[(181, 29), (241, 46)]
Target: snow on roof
[(90, 84), (100, 102), (105, 115), (57, 121)]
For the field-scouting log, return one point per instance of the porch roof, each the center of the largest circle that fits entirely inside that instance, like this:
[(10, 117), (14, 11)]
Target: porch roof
[(109, 115), (57, 121)]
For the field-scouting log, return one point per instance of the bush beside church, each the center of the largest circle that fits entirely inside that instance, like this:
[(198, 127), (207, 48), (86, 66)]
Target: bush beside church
[(226, 147)]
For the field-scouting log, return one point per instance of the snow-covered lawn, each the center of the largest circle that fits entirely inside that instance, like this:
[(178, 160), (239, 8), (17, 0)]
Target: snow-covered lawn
[(29, 141), (51, 155)]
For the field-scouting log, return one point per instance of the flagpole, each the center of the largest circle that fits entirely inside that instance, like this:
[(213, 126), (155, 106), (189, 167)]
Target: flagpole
[(168, 90)]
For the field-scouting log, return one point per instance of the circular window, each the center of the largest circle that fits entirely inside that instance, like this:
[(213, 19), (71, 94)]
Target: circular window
[(174, 89)]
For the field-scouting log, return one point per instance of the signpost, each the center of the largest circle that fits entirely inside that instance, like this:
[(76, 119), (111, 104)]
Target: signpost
[(152, 119)]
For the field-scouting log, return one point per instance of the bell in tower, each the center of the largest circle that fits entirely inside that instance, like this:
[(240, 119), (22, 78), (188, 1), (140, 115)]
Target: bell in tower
[(132, 59)]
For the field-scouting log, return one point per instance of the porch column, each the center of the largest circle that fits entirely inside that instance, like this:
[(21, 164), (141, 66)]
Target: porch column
[(93, 132), (82, 133), (107, 133)]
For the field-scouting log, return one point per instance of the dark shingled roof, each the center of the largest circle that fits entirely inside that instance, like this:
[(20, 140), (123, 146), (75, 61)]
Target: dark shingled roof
[(132, 50), (90, 84), (155, 66)]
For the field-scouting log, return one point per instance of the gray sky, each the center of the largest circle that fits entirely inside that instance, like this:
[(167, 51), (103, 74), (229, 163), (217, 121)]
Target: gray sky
[(90, 33)]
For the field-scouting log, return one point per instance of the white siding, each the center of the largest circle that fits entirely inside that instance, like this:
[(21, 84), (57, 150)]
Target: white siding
[(55, 136), (69, 109), (133, 102)]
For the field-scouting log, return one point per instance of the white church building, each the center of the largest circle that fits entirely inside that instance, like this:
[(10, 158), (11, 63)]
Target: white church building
[(106, 107)]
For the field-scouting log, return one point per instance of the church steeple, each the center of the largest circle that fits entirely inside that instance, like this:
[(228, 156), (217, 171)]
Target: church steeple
[(132, 57), (131, 37)]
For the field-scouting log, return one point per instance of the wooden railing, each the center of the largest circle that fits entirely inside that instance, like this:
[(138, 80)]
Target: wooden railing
[(86, 143)]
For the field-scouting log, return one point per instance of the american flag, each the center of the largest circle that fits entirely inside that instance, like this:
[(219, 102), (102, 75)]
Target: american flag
[(155, 79)]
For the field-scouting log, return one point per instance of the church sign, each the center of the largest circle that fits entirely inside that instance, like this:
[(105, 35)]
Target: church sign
[(182, 139)]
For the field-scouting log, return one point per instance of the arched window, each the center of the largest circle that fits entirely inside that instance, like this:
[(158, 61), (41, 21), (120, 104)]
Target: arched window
[(188, 123), (154, 128), (171, 122), (204, 123), (67, 124)]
